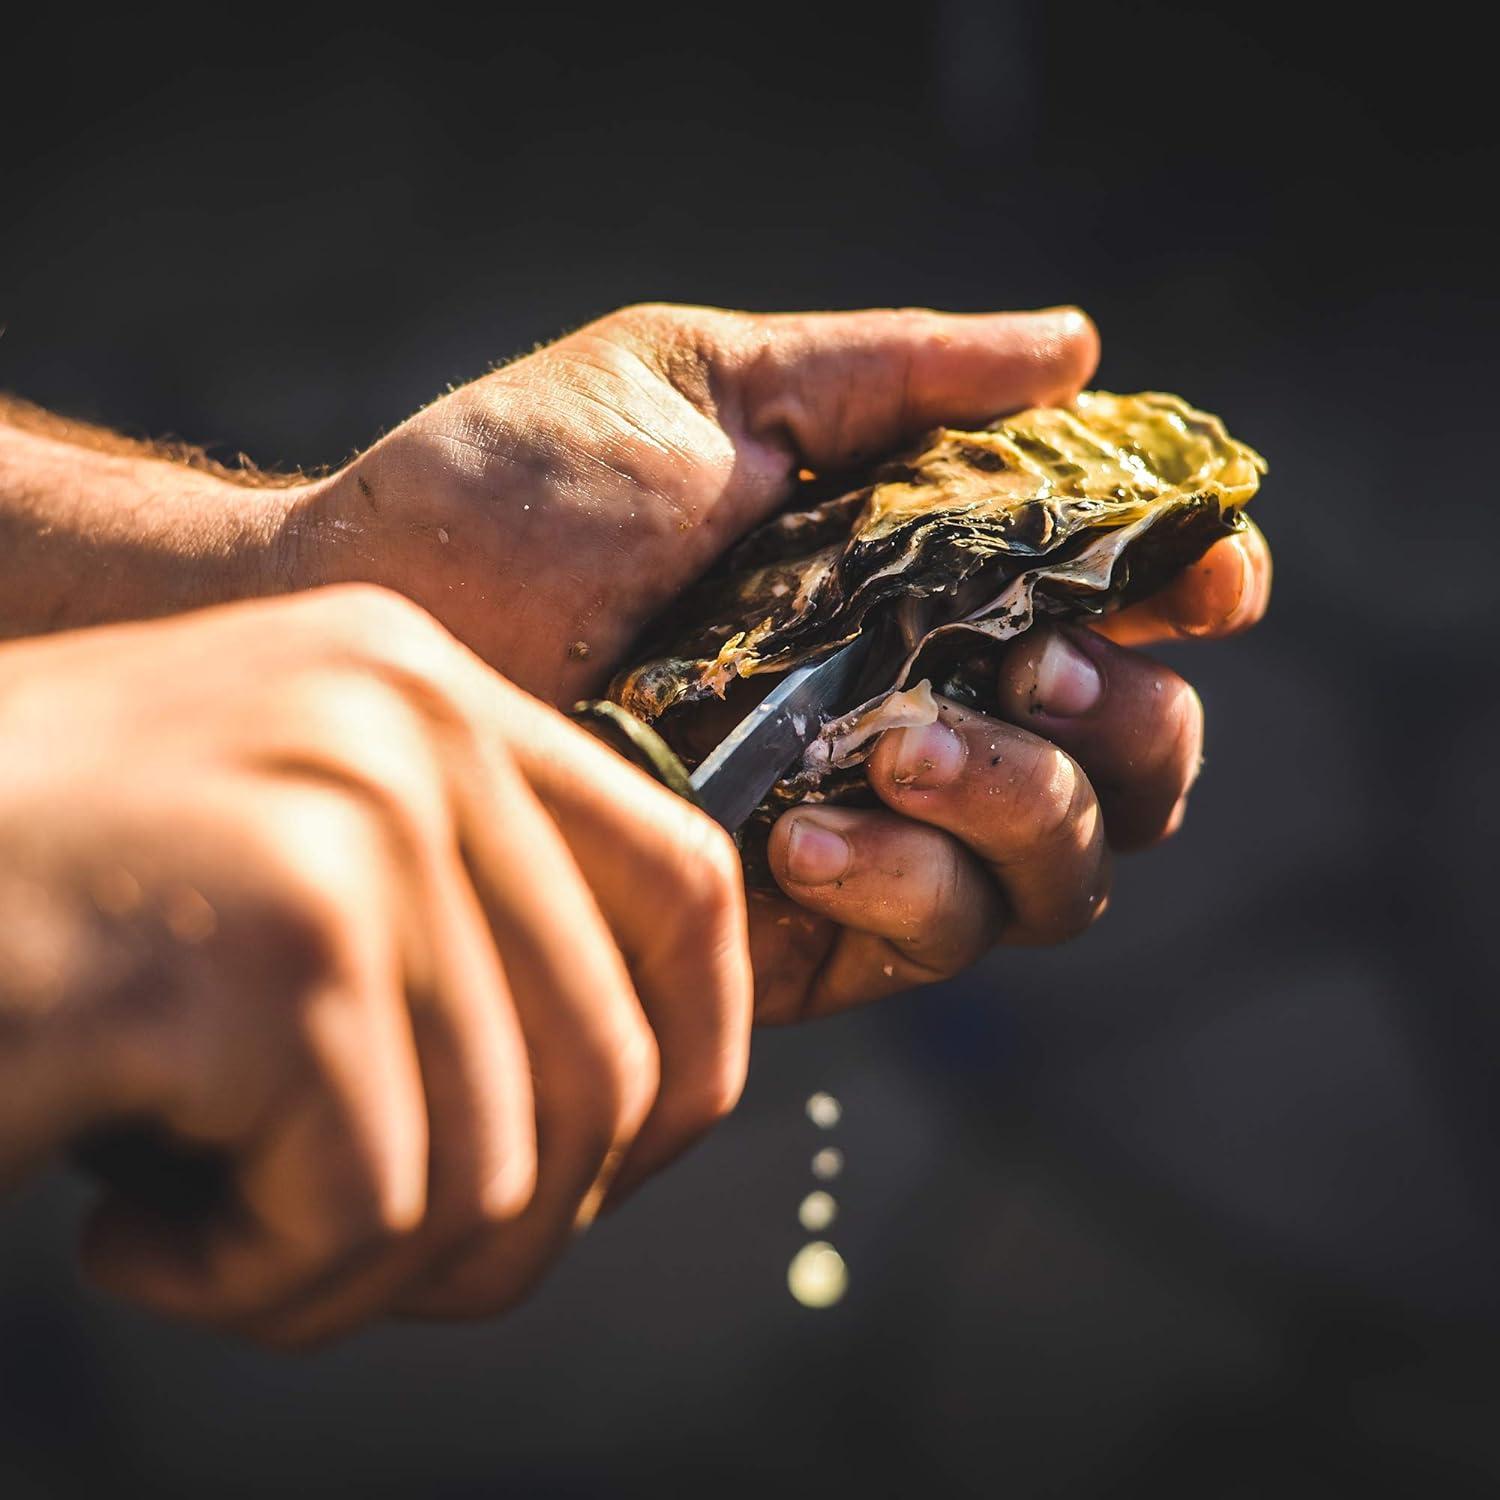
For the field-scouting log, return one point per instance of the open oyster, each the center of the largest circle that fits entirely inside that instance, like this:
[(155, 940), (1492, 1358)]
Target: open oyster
[(949, 551)]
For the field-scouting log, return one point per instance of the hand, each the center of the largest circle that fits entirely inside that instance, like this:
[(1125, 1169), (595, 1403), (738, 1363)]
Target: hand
[(999, 830), (420, 966), (548, 511)]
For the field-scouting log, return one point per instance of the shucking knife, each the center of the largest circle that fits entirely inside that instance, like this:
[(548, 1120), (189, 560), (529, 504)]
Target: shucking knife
[(758, 751)]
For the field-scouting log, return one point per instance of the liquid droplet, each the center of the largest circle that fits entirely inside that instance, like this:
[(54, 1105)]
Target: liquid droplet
[(817, 1276), (824, 1111), (817, 1211), (828, 1163)]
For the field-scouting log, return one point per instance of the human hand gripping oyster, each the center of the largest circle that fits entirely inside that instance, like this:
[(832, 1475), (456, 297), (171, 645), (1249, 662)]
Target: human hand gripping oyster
[(629, 497), (1052, 513)]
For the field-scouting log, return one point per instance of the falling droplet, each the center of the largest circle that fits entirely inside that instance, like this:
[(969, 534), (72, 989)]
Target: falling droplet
[(817, 1276), (817, 1211), (824, 1111), (828, 1163)]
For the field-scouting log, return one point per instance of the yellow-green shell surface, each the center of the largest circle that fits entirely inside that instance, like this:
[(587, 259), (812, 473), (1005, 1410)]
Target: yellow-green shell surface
[(1062, 511)]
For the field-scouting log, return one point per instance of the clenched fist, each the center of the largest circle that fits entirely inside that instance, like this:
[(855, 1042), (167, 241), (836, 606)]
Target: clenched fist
[(305, 891)]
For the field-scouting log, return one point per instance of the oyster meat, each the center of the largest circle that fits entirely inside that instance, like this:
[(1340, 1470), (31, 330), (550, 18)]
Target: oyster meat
[(950, 550)]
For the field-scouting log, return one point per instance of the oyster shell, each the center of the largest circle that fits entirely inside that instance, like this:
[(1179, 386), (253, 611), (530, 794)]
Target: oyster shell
[(953, 549)]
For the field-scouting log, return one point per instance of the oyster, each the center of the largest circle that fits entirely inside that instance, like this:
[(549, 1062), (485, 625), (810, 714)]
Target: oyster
[(951, 550)]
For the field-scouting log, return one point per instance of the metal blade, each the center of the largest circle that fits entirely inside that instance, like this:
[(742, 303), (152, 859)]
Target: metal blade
[(752, 758)]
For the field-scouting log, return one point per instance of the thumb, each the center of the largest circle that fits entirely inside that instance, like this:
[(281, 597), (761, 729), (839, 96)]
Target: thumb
[(825, 390), (834, 388)]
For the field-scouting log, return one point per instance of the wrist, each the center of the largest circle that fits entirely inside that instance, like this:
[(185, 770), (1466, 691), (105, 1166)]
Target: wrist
[(246, 541), (88, 536)]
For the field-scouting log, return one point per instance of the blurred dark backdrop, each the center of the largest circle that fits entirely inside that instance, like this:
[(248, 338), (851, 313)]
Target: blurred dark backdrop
[(1208, 1203)]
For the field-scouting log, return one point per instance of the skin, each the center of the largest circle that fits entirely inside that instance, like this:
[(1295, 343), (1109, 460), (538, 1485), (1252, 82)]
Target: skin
[(326, 885), (342, 919)]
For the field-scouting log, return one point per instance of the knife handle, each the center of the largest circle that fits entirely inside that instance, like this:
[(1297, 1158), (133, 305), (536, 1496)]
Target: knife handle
[(638, 742)]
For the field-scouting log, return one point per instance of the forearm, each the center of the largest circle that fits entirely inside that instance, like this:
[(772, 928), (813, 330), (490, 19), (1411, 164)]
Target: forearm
[(95, 528)]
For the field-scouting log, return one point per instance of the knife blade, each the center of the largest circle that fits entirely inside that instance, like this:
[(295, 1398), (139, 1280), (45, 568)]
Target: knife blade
[(757, 752)]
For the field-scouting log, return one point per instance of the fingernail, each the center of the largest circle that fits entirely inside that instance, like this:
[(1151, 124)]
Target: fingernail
[(929, 756), (1069, 320), (1067, 682), (1217, 615), (1246, 579), (815, 855)]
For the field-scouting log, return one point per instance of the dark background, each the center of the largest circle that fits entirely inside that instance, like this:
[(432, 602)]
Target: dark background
[(1207, 1203)]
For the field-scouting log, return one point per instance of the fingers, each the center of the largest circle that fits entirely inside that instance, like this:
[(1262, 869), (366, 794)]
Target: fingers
[(338, 1176), (670, 886), (1018, 803), (482, 1164), (592, 1053), (315, 1094), (395, 1167), (453, 946), (993, 835), (1135, 727), (915, 905), (1226, 591), (1003, 833)]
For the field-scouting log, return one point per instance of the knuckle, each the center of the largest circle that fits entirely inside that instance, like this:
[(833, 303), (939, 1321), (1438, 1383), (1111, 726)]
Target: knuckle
[(307, 921), (350, 710), (612, 1092), (583, 1124), (381, 1204), (1187, 735), (378, 1225), (369, 746), (309, 841), (1052, 799), (936, 899), (508, 1193), (1155, 810), (692, 1109), (303, 921), (722, 1094), (1175, 817), (1093, 900), (361, 1232), (369, 613), (637, 1080), (711, 888), (391, 637), (1069, 916)]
